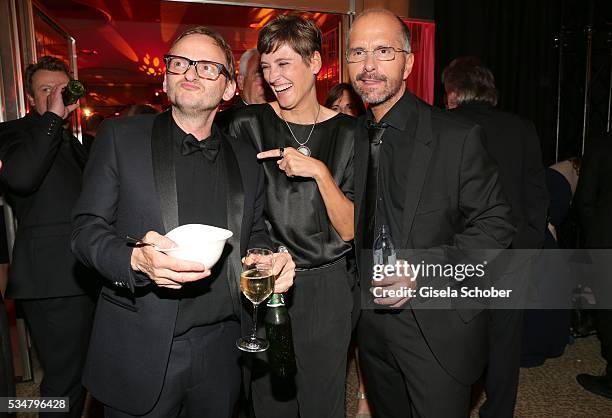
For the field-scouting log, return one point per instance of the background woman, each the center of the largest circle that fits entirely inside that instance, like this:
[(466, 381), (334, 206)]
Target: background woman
[(344, 99)]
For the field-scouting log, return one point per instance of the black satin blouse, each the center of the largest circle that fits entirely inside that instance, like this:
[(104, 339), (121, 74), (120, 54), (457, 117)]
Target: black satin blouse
[(295, 212)]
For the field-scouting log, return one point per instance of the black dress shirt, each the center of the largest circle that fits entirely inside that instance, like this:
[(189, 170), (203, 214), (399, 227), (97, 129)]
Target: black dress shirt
[(202, 196), (392, 179)]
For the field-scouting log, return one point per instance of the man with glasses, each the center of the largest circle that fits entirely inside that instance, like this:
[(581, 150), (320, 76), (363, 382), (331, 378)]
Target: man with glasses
[(163, 342), (425, 175)]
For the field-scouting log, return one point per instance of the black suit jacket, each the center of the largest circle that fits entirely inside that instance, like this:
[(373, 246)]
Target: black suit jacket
[(593, 199), (514, 145), (223, 119), (129, 188), (453, 204), (41, 177)]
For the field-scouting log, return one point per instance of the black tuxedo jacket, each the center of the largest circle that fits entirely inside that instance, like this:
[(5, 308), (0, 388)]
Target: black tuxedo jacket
[(514, 145), (453, 204), (129, 188), (41, 177)]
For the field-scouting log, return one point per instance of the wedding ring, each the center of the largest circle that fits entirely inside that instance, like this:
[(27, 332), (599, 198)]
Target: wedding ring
[(282, 152)]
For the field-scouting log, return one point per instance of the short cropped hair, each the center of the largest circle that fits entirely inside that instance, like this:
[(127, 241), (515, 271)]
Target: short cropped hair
[(219, 41), (470, 80), (48, 63), (302, 35)]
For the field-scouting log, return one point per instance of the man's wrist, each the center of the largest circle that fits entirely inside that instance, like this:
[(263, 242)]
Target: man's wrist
[(133, 257)]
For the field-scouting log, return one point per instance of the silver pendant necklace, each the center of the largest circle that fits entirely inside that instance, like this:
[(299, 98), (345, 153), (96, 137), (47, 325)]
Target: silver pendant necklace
[(303, 149)]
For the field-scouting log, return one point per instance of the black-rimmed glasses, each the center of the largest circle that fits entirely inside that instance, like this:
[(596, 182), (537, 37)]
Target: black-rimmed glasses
[(382, 53), (209, 70)]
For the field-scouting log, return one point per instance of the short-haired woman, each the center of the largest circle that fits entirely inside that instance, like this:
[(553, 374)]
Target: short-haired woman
[(307, 153)]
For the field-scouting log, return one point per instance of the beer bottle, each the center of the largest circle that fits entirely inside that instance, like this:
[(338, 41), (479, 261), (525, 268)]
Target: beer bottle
[(281, 357), (73, 91)]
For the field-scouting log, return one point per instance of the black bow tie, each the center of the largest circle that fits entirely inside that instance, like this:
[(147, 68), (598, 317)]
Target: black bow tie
[(209, 147)]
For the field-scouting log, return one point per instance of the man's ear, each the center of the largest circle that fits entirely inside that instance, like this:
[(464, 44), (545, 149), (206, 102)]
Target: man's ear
[(451, 100), (408, 66), (315, 63), (164, 84), (230, 90), (31, 100)]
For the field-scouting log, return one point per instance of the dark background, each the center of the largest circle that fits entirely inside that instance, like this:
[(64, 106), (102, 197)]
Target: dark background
[(519, 41)]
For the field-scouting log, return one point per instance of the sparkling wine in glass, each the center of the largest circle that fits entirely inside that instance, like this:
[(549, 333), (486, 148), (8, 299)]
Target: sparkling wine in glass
[(257, 284)]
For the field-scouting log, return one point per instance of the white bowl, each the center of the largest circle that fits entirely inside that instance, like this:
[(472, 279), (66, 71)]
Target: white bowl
[(201, 243)]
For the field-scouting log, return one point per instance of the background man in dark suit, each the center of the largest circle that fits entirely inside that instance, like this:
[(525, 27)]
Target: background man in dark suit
[(250, 79), (164, 333), (253, 89), (593, 201), (514, 145), (425, 175), (41, 177), (7, 384)]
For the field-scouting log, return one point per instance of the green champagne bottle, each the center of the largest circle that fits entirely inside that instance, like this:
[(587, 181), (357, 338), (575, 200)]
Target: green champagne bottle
[(281, 357), (73, 92)]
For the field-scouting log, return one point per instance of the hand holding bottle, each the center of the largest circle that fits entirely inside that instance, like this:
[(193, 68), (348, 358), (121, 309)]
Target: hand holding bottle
[(55, 102), (393, 289)]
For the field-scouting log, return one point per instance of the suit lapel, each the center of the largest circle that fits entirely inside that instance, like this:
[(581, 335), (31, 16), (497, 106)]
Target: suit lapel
[(163, 169), (235, 209), (417, 170), (360, 174)]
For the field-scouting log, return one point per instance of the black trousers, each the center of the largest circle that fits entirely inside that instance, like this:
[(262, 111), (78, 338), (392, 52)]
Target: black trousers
[(401, 374), (60, 328), (505, 328), (203, 375), (603, 324), (320, 310), (602, 287)]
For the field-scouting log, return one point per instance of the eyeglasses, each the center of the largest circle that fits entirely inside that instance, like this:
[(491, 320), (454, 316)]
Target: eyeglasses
[(209, 70), (382, 53)]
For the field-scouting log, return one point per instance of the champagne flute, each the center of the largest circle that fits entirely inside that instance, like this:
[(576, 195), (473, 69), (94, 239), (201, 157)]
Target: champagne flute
[(257, 284)]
